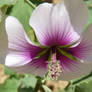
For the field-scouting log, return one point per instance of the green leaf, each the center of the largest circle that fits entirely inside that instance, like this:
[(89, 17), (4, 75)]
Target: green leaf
[(83, 84), (13, 74), (7, 2), (22, 10), (8, 71), (25, 89), (29, 81), (28, 84), (4, 4), (18, 83), (89, 4), (2, 12), (11, 85)]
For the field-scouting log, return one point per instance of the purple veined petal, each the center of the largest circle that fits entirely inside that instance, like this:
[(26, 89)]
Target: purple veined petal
[(72, 69), (52, 25), (67, 65), (37, 67), (20, 50), (84, 50), (3, 43), (21, 57), (78, 13), (62, 30)]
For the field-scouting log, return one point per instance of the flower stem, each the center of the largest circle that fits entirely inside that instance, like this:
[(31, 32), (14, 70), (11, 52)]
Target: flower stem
[(31, 4), (39, 85)]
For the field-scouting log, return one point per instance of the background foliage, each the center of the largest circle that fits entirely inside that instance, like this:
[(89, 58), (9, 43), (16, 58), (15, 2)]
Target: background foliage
[(13, 82)]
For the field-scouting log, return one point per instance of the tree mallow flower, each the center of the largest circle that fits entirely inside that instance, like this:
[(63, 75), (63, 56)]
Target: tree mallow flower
[(59, 30)]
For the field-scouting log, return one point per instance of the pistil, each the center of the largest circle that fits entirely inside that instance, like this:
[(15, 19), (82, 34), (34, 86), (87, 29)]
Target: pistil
[(54, 68)]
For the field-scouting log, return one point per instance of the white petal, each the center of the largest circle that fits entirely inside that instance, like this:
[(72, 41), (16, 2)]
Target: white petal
[(81, 71), (15, 32), (78, 13), (40, 20), (17, 59), (87, 44)]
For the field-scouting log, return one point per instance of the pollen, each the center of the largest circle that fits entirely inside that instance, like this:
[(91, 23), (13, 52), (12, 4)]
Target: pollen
[(54, 69)]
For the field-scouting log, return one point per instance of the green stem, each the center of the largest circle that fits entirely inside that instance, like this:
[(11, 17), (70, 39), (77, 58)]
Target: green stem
[(39, 84), (82, 78), (37, 87), (31, 4)]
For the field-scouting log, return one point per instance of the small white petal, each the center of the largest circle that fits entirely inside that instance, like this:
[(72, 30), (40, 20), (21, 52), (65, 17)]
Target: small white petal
[(78, 12)]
